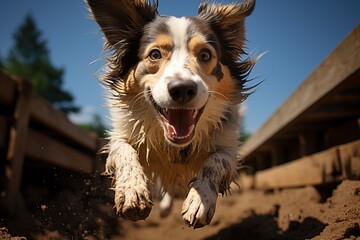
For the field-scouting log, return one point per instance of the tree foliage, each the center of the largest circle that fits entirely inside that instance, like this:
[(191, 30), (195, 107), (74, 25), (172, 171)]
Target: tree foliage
[(29, 58), (96, 126)]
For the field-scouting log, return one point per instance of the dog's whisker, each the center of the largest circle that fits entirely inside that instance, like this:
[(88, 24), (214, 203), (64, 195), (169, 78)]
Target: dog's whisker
[(220, 94), (135, 99)]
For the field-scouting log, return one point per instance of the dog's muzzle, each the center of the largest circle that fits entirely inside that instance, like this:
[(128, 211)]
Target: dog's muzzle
[(180, 121)]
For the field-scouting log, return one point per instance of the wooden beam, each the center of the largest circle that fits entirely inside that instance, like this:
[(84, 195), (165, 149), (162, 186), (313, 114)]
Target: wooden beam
[(44, 113), (44, 148), (327, 166), (350, 156), (308, 143), (347, 132), (333, 115), (338, 66), (7, 90), (3, 132)]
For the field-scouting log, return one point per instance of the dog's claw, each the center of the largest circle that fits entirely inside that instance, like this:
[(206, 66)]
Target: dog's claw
[(195, 223), (198, 210), (133, 203)]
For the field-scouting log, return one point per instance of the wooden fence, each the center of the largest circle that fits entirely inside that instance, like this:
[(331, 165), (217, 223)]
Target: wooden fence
[(314, 137), (32, 130)]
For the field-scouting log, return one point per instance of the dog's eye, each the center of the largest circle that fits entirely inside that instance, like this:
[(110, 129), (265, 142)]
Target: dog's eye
[(204, 55), (155, 55)]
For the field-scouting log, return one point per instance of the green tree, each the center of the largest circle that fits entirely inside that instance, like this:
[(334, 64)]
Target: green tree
[(244, 134), (96, 125), (29, 58)]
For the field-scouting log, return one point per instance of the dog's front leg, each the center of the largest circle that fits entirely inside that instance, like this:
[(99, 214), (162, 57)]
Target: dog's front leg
[(132, 197), (214, 177)]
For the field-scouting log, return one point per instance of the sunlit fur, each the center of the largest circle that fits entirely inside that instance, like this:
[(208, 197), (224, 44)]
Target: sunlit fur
[(139, 153)]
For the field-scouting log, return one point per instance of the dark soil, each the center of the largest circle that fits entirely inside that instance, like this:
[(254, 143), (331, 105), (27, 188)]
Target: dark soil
[(86, 212)]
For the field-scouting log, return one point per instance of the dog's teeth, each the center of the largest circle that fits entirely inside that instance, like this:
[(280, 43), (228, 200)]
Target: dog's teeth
[(170, 129), (195, 113), (191, 129)]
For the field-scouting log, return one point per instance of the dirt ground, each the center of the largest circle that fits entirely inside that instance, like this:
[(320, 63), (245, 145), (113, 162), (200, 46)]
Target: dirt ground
[(331, 212), (301, 213)]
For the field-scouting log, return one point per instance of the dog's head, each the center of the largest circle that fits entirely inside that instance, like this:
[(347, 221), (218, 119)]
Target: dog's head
[(180, 66)]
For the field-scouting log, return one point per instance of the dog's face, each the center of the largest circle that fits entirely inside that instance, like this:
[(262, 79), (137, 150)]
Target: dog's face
[(179, 65), (180, 69)]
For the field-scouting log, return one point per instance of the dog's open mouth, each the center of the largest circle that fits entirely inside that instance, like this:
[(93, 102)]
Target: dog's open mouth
[(179, 123)]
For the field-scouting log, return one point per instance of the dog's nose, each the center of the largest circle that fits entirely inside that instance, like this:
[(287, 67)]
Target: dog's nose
[(182, 91)]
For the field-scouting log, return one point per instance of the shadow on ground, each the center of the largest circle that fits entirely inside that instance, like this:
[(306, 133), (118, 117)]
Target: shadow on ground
[(265, 227)]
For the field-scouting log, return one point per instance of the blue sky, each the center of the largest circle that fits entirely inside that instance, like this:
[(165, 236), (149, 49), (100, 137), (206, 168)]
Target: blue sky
[(297, 35)]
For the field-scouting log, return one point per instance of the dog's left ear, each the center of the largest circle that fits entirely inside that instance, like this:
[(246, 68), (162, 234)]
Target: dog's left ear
[(227, 21)]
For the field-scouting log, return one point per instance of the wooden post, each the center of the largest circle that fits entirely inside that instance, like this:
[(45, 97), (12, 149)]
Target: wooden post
[(18, 138), (278, 154), (309, 143)]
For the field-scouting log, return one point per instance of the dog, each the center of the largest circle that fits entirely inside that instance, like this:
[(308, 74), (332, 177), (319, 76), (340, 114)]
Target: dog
[(175, 86)]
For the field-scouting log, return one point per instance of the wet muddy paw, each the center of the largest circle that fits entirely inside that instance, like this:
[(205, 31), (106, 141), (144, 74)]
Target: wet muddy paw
[(133, 203), (199, 208)]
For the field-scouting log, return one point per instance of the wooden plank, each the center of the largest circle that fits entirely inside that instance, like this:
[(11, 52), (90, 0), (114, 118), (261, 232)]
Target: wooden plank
[(350, 160), (309, 170), (3, 131), (49, 150), (43, 112), (17, 139), (323, 167), (7, 90), (338, 66), (246, 181), (99, 165)]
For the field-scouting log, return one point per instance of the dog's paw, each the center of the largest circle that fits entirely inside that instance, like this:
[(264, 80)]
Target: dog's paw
[(133, 203), (165, 205), (199, 208)]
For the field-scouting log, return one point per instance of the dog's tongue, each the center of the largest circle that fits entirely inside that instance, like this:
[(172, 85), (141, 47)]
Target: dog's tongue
[(181, 121)]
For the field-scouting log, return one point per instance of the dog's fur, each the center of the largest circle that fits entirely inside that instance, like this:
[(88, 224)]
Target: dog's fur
[(175, 87)]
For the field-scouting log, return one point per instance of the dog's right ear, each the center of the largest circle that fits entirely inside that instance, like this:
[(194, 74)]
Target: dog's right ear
[(122, 22), (121, 19)]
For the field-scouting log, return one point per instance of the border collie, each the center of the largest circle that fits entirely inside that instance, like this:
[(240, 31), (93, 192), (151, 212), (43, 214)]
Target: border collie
[(175, 86)]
